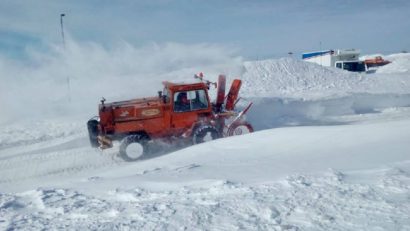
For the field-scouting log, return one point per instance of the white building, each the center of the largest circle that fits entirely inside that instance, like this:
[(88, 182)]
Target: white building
[(343, 59)]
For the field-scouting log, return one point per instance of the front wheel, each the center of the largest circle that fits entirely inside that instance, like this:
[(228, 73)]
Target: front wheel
[(204, 134), (241, 128), (134, 147)]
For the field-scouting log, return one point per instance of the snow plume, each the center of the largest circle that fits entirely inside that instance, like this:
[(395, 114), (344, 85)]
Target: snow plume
[(71, 80)]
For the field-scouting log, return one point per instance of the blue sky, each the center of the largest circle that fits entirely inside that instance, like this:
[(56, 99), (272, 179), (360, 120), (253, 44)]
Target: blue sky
[(256, 29)]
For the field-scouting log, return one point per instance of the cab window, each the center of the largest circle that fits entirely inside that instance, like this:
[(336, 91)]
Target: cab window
[(190, 100)]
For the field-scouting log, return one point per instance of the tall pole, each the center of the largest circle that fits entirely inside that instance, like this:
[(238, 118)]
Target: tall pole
[(320, 50), (62, 35), (62, 28)]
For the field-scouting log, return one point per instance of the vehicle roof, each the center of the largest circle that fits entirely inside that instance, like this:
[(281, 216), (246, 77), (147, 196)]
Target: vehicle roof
[(184, 86)]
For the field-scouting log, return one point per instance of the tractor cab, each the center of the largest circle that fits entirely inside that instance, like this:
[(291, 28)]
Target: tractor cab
[(187, 97), (186, 103)]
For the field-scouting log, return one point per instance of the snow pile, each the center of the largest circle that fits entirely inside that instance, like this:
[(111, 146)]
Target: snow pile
[(287, 77), (294, 92), (400, 63), (291, 78)]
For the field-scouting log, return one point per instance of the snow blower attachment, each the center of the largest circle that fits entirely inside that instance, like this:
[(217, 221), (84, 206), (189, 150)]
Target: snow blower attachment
[(181, 114)]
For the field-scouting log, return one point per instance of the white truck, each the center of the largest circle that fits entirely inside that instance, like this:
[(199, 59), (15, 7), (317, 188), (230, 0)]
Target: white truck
[(343, 59)]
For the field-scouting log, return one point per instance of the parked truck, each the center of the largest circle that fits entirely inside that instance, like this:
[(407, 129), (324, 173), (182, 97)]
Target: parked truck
[(343, 59)]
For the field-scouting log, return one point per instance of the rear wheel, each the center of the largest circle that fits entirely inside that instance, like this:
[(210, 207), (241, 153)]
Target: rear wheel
[(204, 134), (134, 147), (92, 126)]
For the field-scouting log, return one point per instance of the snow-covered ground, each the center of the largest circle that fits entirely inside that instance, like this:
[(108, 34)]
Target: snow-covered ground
[(331, 151)]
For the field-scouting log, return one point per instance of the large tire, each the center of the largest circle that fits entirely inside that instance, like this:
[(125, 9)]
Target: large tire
[(92, 126), (240, 128), (204, 134), (134, 147)]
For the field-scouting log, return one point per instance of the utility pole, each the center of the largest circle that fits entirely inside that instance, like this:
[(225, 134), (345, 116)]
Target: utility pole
[(320, 50), (62, 35), (62, 28)]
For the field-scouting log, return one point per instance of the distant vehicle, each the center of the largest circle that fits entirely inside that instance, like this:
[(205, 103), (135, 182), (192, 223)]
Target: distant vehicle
[(376, 62), (344, 59)]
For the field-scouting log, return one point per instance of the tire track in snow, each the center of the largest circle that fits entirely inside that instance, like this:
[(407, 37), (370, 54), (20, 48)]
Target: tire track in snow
[(62, 158)]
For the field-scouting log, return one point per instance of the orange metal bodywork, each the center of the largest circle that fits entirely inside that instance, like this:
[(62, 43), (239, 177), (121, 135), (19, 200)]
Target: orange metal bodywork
[(152, 116), (233, 94), (377, 61), (155, 118)]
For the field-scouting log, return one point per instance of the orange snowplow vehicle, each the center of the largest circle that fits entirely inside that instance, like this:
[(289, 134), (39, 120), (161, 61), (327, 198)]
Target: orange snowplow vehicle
[(376, 62), (181, 113)]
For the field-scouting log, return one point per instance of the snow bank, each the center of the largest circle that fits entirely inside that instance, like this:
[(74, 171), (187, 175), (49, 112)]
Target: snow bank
[(291, 78), (400, 63), (292, 92), (287, 77)]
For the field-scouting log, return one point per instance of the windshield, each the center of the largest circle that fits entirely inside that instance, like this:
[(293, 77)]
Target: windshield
[(190, 100), (354, 66)]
